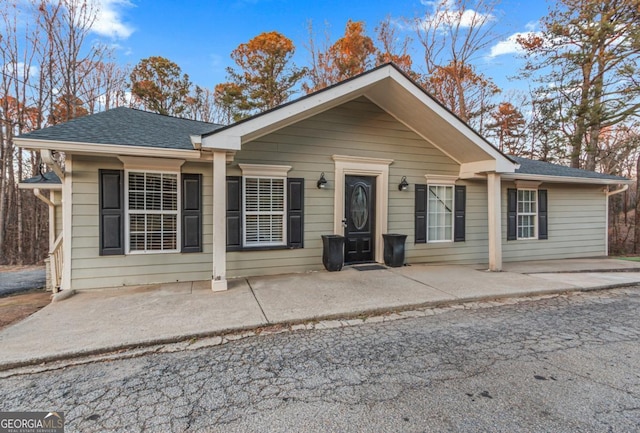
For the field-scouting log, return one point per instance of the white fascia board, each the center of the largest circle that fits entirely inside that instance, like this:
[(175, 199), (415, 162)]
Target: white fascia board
[(299, 110), (51, 186), (109, 149), (565, 179), (226, 140), (471, 169), (503, 164)]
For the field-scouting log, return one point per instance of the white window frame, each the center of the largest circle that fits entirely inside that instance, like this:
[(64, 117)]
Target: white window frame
[(263, 171), (453, 211), (532, 214), (128, 212)]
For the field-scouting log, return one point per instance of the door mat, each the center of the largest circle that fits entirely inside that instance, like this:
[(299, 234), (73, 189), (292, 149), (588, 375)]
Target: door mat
[(369, 267)]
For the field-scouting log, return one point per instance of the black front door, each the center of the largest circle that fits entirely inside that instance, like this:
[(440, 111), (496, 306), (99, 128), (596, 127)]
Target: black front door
[(359, 208)]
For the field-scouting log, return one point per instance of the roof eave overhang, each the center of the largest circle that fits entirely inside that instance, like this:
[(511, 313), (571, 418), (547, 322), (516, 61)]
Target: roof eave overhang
[(81, 148), (566, 179)]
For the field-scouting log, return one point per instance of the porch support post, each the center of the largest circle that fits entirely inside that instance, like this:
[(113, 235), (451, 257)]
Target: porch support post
[(495, 221), (219, 276)]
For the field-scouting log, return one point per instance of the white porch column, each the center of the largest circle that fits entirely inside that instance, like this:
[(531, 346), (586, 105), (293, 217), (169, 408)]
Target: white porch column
[(495, 221), (219, 280)]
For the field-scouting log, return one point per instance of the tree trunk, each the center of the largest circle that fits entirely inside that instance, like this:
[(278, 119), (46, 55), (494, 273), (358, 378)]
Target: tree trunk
[(636, 228)]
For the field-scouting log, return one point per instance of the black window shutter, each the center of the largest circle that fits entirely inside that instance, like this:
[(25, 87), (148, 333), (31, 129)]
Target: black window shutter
[(542, 214), (191, 213), (421, 214), (295, 212), (111, 202), (234, 213), (460, 205), (512, 214)]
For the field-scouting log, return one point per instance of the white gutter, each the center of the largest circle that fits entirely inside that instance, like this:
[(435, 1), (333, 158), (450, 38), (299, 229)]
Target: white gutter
[(564, 179), (111, 149)]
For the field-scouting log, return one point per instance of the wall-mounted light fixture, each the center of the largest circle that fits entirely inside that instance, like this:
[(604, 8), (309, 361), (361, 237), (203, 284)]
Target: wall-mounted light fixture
[(322, 182), (404, 185)]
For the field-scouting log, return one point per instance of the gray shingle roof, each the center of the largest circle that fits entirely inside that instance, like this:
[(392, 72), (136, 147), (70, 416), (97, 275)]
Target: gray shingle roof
[(129, 127), (45, 178), (529, 166)]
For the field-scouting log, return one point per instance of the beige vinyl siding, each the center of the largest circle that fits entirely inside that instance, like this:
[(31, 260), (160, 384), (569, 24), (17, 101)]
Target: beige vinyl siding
[(90, 270), (357, 128), (577, 225)]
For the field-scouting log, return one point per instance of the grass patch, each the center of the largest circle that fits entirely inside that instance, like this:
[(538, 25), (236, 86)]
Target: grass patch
[(631, 259)]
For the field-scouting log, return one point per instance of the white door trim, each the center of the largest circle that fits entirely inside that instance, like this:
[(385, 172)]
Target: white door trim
[(363, 166)]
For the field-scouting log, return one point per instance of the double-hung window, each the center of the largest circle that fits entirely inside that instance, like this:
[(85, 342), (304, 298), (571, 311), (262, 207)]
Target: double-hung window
[(440, 213), (527, 213), (264, 211), (152, 211)]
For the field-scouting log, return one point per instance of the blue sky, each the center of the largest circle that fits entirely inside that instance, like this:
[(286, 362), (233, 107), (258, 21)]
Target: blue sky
[(200, 35)]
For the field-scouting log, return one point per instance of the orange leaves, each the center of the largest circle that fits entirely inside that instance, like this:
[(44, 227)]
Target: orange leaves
[(265, 78), (159, 86), (530, 42)]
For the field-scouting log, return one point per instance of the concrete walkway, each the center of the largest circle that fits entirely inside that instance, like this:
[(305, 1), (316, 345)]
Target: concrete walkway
[(106, 320)]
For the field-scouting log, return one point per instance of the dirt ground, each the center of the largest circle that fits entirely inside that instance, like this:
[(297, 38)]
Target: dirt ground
[(14, 308), (11, 268)]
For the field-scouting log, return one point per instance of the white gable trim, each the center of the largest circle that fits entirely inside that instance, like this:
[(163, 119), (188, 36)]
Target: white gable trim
[(388, 88)]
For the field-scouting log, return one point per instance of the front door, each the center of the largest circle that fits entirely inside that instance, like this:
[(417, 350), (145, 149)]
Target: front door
[(359, 210)]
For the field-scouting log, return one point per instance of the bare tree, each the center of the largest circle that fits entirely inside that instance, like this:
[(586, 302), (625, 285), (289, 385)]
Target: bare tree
[(455, 33), (588, 51)]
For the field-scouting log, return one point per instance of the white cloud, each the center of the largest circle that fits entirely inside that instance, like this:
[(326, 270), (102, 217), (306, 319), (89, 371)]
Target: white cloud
[(109, 20), (20, 70), (511, 45), (445, 13)]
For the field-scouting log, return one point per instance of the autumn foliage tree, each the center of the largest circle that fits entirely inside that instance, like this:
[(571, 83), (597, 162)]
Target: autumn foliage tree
[(394, 49), (464, 91), (265, 76), (507, 126), (350, 55), (158, 84)]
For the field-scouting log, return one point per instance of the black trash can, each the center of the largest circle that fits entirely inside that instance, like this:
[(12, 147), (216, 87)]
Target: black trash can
[(394, 249), (332, 252)]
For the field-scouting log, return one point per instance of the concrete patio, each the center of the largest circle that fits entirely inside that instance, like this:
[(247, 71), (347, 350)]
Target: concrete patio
[(100, 321)]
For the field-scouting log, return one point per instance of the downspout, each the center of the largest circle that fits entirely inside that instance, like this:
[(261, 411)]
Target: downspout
[(37, 193), (52, 210), (609, 194), (618, 191)]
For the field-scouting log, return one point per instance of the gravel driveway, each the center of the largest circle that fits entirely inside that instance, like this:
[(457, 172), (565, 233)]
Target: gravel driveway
[(21, 281)]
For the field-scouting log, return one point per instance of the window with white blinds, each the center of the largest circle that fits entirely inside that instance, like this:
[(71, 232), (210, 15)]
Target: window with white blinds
[(152, 211), (264, 211)]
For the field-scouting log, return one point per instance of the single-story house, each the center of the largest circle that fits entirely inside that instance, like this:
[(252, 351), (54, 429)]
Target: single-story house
[(144, 198)]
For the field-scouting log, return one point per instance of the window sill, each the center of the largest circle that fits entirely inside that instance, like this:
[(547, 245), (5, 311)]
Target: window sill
[(263, 248), (137, 253)]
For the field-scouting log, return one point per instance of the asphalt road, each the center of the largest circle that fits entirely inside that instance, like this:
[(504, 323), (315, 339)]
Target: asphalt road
[(21, 281), (564, 364)]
